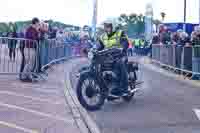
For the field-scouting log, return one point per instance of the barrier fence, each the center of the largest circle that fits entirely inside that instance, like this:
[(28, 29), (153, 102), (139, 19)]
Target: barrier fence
[(185, 59), (17, 53)]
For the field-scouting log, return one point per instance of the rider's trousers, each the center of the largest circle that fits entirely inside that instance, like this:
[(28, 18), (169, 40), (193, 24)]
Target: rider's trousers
[(121, 69)]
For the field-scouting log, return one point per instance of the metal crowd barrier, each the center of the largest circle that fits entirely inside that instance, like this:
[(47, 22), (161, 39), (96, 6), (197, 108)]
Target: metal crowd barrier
[(156, 52), (185, 59), (17, 53), (51, 49), (196, 61)]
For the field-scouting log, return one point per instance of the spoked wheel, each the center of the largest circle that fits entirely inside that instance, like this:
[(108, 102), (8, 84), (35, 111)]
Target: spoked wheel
[(89, 93)]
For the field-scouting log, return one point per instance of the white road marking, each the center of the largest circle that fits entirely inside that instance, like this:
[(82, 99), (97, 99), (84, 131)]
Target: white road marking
[(30, 97), (35, 112), (197, 112), (47, 91), (10, 125)]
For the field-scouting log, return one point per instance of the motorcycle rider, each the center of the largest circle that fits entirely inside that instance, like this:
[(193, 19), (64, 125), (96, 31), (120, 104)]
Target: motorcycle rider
[(113, 37)]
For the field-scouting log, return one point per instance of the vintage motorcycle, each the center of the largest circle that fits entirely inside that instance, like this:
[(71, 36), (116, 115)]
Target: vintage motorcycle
[(96, 80)]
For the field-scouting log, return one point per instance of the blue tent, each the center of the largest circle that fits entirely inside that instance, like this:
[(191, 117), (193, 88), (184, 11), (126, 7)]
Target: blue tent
[(176, 26)]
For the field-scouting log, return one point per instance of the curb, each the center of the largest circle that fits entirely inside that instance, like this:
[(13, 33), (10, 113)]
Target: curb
[(147, 63), (82, 118)]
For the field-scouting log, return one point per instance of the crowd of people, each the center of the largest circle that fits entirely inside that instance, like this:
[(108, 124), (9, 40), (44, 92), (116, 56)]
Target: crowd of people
[(29, 39), (180, 37)]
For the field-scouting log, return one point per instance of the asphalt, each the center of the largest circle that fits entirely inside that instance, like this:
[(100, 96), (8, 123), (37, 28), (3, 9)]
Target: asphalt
[(164, 105), (39, 107)]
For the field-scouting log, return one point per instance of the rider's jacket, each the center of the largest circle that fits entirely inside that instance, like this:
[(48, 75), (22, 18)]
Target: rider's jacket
[(116, 39), (113, 40)]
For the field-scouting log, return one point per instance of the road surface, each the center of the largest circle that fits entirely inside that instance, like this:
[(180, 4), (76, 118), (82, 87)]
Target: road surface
[(164, 105), (36, 107)]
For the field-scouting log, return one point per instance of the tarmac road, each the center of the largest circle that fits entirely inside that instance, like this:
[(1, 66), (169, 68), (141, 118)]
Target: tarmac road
[(164, 105)]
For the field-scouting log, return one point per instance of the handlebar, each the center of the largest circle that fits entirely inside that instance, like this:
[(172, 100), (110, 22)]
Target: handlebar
[(109, 49)]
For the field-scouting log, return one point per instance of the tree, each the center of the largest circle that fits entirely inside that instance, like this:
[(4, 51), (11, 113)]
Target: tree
[(157, 23), (140, 24), (20, 25), (133, 17), (12, 27), (163, 15), (133, 23), (4, 27), (123, 18)]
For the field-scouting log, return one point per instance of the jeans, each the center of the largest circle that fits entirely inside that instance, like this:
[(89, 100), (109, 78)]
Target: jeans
[(23, 60), (130, 52), (121, 69), (29, 63)]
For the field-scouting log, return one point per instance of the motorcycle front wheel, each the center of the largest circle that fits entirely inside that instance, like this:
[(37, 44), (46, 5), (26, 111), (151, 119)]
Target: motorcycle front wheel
[(89, 93)]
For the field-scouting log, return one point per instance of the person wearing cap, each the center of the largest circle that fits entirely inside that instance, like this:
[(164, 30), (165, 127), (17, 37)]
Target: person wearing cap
[(29, 62), (130, 48), (12, 42), (113, 37)]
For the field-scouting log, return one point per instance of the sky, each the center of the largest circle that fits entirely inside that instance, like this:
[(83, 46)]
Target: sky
[(79, 12)]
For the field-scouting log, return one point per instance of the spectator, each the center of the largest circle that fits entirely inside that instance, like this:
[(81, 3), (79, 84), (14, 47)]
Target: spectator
[(29, 63), (195, 38), (22, 46), (130, 48), (142, 43), (183, 38), (174, 38), (42, 48), (12, 42), (165, 37), (85, 44), (60, 36), (155, 39), (52, 33), (43, 31)]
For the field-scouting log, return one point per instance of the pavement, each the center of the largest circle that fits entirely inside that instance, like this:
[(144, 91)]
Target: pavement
[(42, 107), (165, 104)]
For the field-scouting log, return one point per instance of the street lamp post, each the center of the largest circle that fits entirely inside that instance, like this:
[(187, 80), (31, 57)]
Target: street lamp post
[(94, 19), (185, 15), (148, 21), (199, 12)]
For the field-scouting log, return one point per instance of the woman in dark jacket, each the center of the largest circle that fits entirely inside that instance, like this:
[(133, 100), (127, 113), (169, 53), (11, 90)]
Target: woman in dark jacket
[(12, 42)]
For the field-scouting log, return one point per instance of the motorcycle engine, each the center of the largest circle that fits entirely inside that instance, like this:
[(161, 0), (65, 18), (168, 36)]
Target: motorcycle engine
[(110, 78)]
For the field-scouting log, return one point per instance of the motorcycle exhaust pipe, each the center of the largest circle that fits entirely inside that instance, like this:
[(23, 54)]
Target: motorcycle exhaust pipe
[(135, 90)]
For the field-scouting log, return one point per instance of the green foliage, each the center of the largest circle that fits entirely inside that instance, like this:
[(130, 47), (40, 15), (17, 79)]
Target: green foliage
[(163, 15), (156, 22), (133, 23), (18, 26), (4, 27)]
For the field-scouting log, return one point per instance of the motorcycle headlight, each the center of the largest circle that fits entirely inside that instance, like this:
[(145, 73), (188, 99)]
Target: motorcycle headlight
[(90, 55)]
